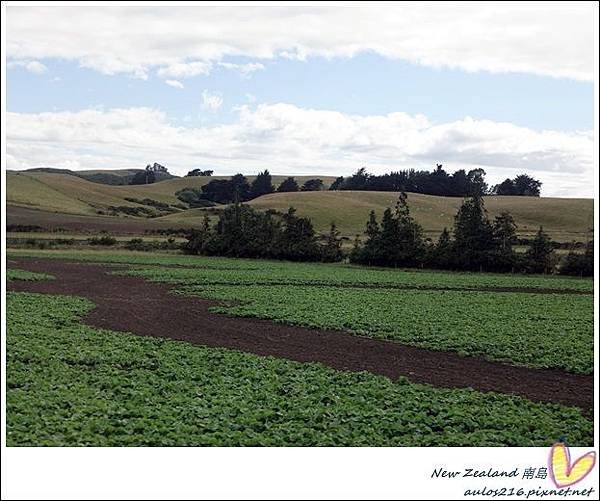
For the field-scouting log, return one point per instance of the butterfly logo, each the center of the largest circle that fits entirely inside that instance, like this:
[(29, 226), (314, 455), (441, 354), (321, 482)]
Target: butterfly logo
[(563, 471)]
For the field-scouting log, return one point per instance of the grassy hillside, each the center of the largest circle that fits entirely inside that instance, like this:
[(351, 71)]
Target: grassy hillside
[(63, 200), (75, 195), (103, 176), (115, 172), (564, 218)]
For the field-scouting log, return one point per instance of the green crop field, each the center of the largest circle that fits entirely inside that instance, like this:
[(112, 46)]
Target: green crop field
[(523, 328), (469, 313), (199, 270), (69, 384)]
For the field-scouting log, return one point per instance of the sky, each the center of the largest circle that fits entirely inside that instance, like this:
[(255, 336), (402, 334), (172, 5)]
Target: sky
[(306, 89)]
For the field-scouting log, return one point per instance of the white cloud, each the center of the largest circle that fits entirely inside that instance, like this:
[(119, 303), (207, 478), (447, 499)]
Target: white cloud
[(32, 66), (174, 83), (243, 69), (547, 39), (211, 101), (292, 140), (185, 70)]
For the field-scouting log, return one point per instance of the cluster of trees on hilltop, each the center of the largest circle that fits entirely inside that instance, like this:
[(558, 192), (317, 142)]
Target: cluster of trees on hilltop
[(522, 185), (151, 174), (239, 189), (291, 185), (437, 182), (199, 172), (242, 231), (476, 244)]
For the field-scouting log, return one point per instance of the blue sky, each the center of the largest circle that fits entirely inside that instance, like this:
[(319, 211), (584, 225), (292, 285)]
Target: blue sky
[(306, 90), (367, 84)]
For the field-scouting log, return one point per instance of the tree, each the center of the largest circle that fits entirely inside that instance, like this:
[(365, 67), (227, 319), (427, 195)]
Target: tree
[(503, 257), (369, 252), (527, 186), (473, 235), (435, 182), (477, 181), (240, 189), (288, 185), (397, 242), (332, 250), (411, 248), (243, 232), (261, 185), (521, 185), (578, 264), (298, 241), (143, 177), (199, 172), (224, 191), (459, 184), (441, 254), (357, 181), (198, 239), (193, 197), (337, 184), (505, 188), (372, 230), (156, 167), (219, 191), (312, 185), (540, 257), (505, 231)]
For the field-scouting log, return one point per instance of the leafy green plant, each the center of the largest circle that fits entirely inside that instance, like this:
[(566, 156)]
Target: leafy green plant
[(16, 274), (71, 385)]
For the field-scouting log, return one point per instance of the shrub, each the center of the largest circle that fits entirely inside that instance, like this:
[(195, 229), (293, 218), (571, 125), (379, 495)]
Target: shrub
[(106, 240)]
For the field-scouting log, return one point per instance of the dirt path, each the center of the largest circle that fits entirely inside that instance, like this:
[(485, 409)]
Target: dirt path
[(134, 305)]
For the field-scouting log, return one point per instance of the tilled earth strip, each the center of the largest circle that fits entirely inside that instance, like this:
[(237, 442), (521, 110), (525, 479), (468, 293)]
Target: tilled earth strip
[(131, 304)]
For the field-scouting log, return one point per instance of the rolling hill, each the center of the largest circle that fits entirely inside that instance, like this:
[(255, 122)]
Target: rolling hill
[(62, 200), (564, 218)]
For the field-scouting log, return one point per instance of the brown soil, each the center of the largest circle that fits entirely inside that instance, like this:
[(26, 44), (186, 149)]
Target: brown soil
[(144, 308)]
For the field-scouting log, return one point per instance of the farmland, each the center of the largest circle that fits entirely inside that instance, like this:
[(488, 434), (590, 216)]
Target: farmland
[(73, 385), (248, 352)]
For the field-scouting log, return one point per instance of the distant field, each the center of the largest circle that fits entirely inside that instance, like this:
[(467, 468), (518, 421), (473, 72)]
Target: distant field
[(64, 201)]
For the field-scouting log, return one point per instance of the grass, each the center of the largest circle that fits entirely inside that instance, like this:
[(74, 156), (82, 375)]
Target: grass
[(74, 195), (41, 235), (71, 385), (564, 219), (30, 191)]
